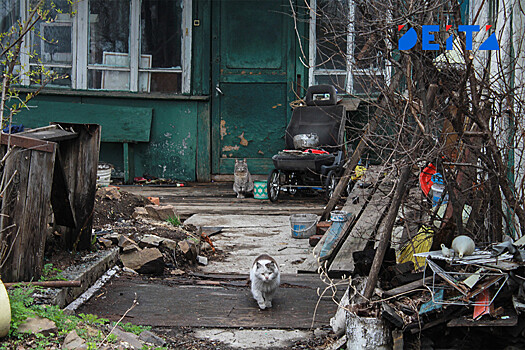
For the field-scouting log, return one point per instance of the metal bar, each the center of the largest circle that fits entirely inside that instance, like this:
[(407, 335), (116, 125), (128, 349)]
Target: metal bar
[(47, 284)]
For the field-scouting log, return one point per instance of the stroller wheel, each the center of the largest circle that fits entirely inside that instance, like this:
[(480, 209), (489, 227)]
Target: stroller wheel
[(274, 185), (329, 184)]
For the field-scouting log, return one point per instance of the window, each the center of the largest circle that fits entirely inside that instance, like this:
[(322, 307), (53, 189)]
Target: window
[(116, 45), (340, 53), (52, 44)]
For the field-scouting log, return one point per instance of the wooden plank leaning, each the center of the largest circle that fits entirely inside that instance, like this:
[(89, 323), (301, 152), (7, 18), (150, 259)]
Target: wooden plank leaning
[(356, 156)]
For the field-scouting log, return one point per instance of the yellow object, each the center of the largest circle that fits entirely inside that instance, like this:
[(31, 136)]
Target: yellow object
[(421, 243), (358, 172), (5, 311)]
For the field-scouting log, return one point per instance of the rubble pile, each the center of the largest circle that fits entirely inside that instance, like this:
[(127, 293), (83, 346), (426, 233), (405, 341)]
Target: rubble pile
[(150, 237)]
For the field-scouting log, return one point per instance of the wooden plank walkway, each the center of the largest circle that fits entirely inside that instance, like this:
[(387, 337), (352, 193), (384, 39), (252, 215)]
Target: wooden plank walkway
[(217, 302), (219, 198)]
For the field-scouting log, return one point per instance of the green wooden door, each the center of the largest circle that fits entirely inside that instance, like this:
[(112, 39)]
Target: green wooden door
[(252, 81)]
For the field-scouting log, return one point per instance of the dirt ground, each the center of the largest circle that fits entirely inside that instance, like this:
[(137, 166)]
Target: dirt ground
[(116, 216), (109, 211)]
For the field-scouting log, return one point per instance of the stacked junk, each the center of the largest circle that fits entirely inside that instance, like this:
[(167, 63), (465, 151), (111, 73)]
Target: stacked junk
[(437, 285)]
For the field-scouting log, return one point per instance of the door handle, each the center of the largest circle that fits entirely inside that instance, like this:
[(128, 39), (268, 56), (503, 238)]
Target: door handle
[(219, 91)]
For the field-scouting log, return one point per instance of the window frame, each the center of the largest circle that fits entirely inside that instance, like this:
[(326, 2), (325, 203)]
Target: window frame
[(80, 50), (351, 71)]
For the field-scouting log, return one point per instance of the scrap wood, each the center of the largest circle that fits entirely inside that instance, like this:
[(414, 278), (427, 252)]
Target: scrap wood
[(348, 228), (448, 314), (336, 345), (518, 305), (389, 314), (406, 278), (407, 287), (401, 269), (385, 230), (397, 335)]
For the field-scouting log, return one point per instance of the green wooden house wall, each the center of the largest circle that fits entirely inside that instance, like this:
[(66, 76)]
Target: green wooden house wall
[(246, 49)]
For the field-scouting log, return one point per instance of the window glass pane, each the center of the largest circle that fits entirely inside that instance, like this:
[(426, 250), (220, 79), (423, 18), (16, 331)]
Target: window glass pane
[(161, 33), (37, 78), (109, 32), (166, 82), (338, 81), (9, 13), (108, 80), (331, 33), (51, 39)]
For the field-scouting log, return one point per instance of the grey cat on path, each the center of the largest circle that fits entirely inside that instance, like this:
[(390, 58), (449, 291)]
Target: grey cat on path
[(265, 278), (242, 179)]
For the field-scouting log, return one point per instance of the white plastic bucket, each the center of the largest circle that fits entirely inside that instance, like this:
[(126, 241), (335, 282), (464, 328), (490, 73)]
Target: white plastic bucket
[(5, 311), (437, 193), (103, 176), (303, 225)]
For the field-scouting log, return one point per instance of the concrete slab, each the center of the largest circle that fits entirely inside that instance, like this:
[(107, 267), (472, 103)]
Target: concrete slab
[(254, 339), (89, 270), (245, 237)]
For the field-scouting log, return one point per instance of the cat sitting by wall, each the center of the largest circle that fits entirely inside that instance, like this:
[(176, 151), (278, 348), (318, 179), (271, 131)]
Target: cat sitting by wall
[(242, 179), (265, 278)]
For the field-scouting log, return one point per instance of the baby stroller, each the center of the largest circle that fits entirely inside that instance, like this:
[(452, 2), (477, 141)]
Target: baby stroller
[(315, 147)]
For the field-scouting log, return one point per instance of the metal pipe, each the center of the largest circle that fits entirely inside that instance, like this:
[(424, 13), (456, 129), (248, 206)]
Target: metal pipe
[(47, 284)]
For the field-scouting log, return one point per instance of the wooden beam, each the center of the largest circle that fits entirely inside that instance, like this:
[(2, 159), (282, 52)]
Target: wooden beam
[(385, 231), (27, 142), (342, 257), (407, 287)]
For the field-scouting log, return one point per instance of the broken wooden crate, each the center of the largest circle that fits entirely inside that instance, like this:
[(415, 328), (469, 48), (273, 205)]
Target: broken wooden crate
[(54, 165)]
